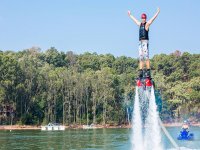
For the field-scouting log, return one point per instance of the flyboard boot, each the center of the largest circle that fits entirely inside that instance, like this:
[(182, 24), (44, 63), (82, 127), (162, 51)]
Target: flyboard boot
[(148, 80), (144, 79), (140, 77)]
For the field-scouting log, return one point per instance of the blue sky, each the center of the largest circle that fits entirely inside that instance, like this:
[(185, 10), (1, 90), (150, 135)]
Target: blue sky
[(98, 26)]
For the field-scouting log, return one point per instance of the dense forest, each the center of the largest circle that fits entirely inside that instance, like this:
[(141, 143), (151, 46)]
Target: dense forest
[(40, 87)]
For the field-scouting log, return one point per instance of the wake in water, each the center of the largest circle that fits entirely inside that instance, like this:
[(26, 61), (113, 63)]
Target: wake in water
[(146, 130), (183, 148)]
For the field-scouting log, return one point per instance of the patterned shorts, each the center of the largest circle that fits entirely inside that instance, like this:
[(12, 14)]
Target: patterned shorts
[(144, 50)]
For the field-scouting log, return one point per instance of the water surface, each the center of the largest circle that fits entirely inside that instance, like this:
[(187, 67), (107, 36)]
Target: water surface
[(80, 139)]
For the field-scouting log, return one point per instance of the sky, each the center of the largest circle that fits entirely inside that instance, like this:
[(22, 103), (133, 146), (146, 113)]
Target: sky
[(100, 26)]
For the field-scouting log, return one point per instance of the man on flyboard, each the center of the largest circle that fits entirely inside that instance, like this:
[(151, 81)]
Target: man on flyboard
[(144, 42)]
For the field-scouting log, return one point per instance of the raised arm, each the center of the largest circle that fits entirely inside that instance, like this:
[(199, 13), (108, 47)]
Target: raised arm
[(154, 17), (133, 18)]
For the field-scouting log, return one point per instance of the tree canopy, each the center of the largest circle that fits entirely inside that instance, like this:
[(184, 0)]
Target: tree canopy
[(52, 86)]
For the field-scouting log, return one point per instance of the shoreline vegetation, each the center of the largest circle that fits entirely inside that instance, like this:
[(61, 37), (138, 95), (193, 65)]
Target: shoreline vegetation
[(35, 127), (38, 87)]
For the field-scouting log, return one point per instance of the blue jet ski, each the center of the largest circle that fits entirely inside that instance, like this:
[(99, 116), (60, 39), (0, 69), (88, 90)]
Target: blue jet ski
[(185, 135)]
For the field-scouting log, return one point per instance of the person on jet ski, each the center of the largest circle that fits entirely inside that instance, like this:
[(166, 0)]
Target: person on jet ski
[(185, 126), (185, 129)]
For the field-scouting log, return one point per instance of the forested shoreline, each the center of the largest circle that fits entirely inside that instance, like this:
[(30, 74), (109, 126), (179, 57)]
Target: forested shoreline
[(52, 86)]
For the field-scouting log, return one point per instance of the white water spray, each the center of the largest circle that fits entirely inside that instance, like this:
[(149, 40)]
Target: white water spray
[(137, 137), (151, 139)]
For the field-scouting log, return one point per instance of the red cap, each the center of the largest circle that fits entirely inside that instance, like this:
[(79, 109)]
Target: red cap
[(144, 16)]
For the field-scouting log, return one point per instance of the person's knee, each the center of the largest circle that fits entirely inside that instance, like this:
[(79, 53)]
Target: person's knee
[(141, 59)]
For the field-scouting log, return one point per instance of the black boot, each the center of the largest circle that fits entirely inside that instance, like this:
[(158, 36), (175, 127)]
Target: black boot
[(140, 73), (148, 73)]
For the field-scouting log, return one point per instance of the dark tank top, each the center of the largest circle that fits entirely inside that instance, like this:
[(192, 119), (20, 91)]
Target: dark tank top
[(143, 33)]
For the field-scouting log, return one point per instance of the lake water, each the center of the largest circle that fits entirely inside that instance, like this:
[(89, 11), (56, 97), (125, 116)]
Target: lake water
[(79, 139)]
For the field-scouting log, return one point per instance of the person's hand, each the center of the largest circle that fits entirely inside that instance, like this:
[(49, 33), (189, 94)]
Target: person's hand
[(158, 9), (129, 12)]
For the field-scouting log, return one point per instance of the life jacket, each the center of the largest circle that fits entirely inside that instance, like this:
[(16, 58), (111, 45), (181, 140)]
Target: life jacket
[(143, 33)]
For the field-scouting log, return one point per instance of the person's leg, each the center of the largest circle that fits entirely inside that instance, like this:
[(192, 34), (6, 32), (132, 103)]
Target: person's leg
[(147, 61), (147, 64), (141, 60), (141, 65)]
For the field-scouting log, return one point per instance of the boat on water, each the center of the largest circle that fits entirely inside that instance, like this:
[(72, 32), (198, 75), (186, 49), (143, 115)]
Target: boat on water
[(53, 127), (92, 126)]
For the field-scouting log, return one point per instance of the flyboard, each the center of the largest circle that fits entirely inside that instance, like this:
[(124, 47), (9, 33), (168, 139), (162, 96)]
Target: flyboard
[(144, 84), (144, 80)]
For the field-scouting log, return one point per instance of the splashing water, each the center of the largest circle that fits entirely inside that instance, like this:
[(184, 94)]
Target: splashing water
[(137, 138), (146, 115), (153, 138)]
